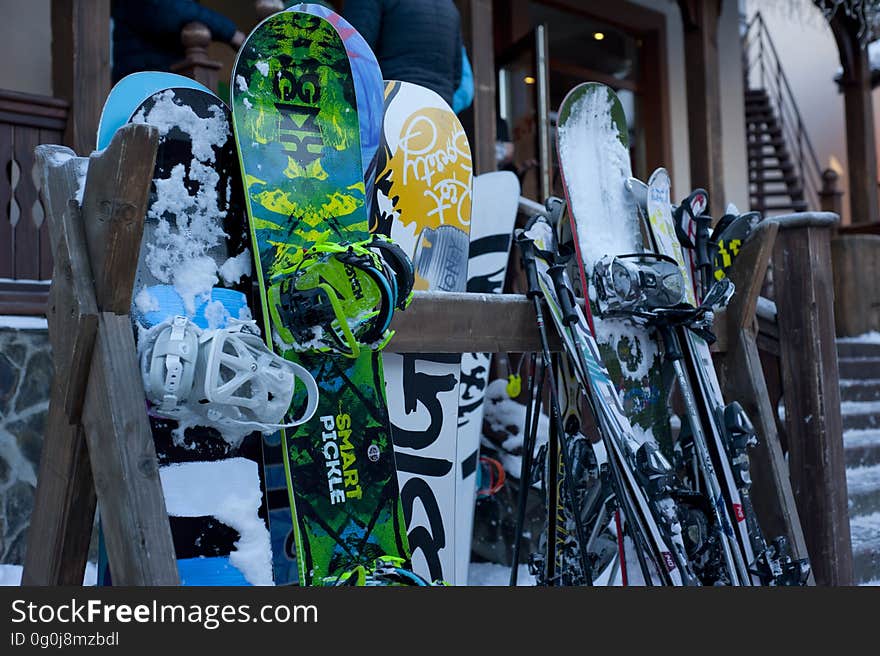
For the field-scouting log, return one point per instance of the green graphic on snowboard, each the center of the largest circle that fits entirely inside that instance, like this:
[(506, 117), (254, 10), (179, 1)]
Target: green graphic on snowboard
[(297, 130)]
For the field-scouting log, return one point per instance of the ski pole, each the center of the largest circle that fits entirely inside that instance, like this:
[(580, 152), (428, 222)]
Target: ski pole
[(527, 250), (524, 472)]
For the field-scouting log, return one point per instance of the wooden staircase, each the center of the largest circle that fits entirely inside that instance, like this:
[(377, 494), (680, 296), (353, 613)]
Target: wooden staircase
[(774, 183), (859, 364)]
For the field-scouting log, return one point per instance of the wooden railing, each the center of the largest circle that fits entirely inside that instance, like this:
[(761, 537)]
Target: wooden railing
[(26, 121)]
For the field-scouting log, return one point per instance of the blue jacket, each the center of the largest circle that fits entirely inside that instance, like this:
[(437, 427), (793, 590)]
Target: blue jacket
[(414, 40)]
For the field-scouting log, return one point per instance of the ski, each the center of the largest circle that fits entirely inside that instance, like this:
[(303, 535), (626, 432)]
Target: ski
[(652, 517), (728, 431)]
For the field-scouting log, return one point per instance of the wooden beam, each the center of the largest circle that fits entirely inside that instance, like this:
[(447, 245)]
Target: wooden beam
[(64, 502), (700, 20), (742, 378), (804, 298), (123, 456), (114, 206), (446, 322), (476, 27), (81, 65), (101, 360)]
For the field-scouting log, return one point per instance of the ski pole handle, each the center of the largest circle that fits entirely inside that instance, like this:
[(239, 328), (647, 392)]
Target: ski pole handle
[(555, 208), (704, 223), (527, 251), (564, 294)]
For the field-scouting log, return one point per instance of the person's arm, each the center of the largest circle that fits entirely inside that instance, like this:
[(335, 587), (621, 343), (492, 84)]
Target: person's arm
[(366, 17), (165, 17)]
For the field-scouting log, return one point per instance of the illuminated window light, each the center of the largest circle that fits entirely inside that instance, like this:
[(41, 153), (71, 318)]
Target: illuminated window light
[(598, 35), (528, 79)]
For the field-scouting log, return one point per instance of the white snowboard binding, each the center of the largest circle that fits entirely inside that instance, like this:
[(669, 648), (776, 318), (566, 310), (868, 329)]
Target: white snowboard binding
[(225, 378)]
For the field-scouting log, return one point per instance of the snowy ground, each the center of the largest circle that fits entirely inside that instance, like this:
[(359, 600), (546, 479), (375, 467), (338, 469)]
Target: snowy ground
[(11, 574), (480, 574)]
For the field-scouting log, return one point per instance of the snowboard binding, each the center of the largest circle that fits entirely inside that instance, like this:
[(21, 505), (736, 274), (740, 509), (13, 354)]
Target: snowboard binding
[(224, 378), (649, 289), (340, 298), (384, 571)]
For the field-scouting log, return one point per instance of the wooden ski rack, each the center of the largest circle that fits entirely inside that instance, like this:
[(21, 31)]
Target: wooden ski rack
[(98, 446)]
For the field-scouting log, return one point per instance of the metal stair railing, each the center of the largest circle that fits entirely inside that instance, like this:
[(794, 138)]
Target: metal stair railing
[(762, 69)]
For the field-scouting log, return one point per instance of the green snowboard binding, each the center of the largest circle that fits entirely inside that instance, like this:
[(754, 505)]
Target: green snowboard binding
[(387, 570), (341, 297)]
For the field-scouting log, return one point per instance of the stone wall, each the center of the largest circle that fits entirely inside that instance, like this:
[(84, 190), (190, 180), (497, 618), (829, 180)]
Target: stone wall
[(25, 380)]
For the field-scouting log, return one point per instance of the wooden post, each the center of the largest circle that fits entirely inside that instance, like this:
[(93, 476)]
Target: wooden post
[(810, 380), (81, 65), (830, 196), (856, 261), (476, 28), (196, 64), (859, 114), (64, 503), (704, 97), (742, 378), (94, 401)]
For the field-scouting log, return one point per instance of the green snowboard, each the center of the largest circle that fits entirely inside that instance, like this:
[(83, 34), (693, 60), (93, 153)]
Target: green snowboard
[(296, 124)]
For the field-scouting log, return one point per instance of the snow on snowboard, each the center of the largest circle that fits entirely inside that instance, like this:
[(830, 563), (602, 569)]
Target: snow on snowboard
[(193, 294)]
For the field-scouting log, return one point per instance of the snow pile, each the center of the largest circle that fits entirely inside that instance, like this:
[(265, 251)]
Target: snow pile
[(230, 491), (504, 415), (22, 323), (189, 223), (217, 315), (233, 269), (146, 301), (493, 574)]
